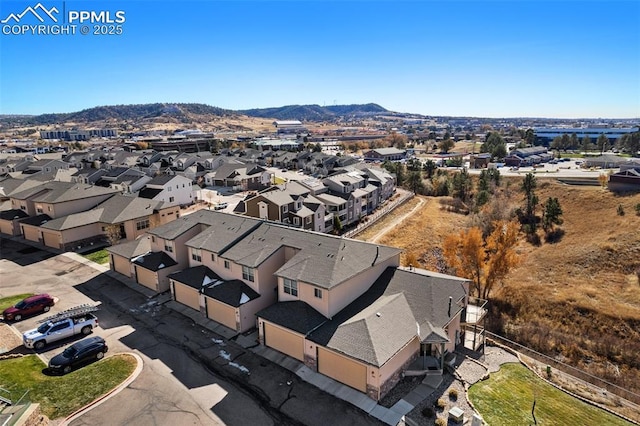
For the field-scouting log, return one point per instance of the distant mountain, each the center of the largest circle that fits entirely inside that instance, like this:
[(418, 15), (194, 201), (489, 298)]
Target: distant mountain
[(179, 112), (315, 112), (185, 114)]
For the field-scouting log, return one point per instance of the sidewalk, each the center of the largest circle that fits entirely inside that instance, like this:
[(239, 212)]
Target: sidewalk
[(390, 416)]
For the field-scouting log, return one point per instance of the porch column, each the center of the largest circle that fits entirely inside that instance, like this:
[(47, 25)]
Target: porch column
[(442, 345)]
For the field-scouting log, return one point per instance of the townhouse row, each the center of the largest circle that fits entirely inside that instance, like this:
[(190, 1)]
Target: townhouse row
[(343, 307)]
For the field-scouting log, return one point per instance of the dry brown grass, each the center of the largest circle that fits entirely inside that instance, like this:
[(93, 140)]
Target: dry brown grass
[(577, 299)]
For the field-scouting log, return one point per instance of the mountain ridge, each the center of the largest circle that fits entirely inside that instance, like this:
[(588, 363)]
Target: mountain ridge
[(190, 112)]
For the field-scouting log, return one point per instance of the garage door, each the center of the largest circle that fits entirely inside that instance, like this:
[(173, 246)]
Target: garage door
[(31, 233), (219, 312), (121, 265), (51, 240), (187, 296), (283, 340), (343, 369)]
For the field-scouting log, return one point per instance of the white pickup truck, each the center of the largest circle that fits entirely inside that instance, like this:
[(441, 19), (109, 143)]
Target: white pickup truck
[(60, 326)]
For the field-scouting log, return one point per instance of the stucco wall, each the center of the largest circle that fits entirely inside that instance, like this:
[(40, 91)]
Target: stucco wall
[(346, 292)]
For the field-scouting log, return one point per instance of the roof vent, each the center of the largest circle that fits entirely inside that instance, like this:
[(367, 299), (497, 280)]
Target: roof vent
[(378, 314)]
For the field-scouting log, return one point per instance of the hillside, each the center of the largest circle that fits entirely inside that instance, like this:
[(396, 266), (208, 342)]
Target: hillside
[(180, 112), (578, 299), (315, 112)]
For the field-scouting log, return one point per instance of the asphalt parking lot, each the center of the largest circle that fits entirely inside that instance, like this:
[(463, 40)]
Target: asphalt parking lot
[(187, 377)]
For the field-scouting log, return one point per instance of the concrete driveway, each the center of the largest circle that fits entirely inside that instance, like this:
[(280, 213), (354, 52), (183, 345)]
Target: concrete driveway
[(190, 374), (172, 388)]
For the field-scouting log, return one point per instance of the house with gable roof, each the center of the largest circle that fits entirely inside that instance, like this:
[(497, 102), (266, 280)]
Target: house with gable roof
[(131, 217), (342, 307)]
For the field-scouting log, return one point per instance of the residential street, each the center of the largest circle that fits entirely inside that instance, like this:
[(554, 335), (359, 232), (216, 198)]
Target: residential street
[(187, 376)]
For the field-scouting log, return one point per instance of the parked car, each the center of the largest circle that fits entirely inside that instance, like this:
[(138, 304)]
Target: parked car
[(78, 354), (30, 306), (74, 321), (221, 206)]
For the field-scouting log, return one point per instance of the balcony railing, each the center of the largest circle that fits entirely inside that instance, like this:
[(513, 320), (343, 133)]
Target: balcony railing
[(476, 310), (474, 336)]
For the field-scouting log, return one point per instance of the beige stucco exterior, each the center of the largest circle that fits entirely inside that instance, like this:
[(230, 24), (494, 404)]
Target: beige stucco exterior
[(222, 313), (68, 207), (10, 227), (338, 297)]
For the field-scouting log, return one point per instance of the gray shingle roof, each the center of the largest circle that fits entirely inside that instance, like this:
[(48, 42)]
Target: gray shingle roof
[(58, 192), (116, 209), (321, 259), (296, 316), (155, 261), (38, 220), (223, 231), (12, 214), (131, 249), (233, 293), (386, 317)]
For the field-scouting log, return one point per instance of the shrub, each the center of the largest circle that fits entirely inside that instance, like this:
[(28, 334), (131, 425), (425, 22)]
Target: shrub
[(637, 208), (441, 403), (428, 412), (441, 422), (620, 210), (453, 394)]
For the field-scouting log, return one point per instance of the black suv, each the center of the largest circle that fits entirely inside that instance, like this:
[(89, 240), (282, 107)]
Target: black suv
[(79, 353)]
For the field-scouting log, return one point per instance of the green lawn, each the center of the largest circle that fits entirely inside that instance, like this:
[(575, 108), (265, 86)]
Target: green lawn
[(507, 396), (100, 256), (60, 396), (6, 302)]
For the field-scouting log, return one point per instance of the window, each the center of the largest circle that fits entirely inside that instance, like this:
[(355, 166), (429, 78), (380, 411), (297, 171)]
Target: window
[(39, 209), (296, 221), (213, 257), (153, 239), (169, 189), (317, 293), (168, 247), (142, 224), (171, 199), (308, 220), (247, 273), (285, 208), (227, 265), (196, 255), (291, 287)]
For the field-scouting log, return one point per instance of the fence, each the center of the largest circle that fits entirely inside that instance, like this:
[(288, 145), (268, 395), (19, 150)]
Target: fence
[(379, 214), (581, 375)]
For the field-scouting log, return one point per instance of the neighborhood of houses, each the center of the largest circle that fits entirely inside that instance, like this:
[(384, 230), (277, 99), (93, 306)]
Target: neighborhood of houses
[(343, 307), (271, 262)]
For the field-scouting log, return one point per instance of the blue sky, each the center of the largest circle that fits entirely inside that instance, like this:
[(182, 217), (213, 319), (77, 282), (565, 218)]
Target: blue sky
[(478, 58)]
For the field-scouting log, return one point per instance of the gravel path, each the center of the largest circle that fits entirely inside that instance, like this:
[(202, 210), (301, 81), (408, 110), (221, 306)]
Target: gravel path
[(452, 392)]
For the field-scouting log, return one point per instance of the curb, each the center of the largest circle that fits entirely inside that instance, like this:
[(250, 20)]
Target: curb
[(136, 372)]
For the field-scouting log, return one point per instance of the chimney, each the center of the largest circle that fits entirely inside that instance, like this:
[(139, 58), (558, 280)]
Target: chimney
[(450, 299), (377, 254)]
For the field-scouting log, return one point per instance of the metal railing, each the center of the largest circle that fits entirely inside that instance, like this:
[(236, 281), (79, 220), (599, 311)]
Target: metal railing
[(577, 373), (14, 410), (378, 214)]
